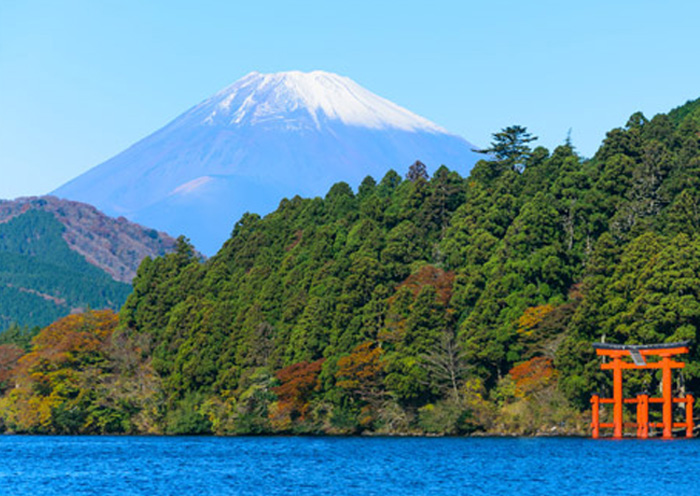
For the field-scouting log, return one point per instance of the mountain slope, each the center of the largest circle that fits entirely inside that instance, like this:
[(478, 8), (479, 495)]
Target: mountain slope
[(58, 256), (265, 137), (116, 246)]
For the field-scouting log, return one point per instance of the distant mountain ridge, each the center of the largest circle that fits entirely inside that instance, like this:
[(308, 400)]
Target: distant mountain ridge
[(266, 137), (58, 257), (115, 246)]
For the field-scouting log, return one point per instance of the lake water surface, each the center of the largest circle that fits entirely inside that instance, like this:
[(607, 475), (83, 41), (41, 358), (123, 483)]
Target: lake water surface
[(345, 466)]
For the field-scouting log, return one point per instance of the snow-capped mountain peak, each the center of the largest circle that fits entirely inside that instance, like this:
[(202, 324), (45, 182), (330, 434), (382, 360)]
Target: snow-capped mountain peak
[(297, 98), (265, 137)]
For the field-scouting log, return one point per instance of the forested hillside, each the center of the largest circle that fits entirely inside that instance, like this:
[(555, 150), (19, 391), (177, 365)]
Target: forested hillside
[(58, 257), (42, 279), (114, 245), (444, 305)]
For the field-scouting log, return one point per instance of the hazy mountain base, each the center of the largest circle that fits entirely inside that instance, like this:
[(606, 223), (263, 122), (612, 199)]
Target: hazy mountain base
[(441, 306)]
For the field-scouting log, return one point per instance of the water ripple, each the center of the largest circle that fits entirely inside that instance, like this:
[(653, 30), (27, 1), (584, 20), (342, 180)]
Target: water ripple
[(203, 466)]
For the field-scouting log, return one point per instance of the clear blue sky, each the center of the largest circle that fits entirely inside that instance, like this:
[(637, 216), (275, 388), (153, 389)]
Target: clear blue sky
[(80, 80)]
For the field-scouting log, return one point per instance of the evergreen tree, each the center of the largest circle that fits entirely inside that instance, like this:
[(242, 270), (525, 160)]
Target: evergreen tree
[(417, 171), (510, 145)]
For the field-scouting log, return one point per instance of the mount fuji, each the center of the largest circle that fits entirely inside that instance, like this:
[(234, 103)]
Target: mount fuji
[(265, 137)]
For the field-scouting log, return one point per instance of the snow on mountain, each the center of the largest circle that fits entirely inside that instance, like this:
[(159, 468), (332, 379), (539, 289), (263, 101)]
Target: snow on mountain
[(301, 99), (265, 137)]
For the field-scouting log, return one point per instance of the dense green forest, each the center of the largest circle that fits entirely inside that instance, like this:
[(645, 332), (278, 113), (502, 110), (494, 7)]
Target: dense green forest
[(42, 279), (416, 304)]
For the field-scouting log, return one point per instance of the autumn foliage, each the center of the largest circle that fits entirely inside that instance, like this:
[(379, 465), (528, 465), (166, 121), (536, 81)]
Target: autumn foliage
[(56, 382), (9, 355), (532, 317), (298, 382), (429, 275), (360, 372), (533, 375), (72, 337)]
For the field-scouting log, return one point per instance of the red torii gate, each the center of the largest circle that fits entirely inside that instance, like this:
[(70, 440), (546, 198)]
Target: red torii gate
[(638, 353)]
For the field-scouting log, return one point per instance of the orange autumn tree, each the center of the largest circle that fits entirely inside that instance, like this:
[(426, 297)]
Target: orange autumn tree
[(56, 383), (298, 382), (532, 376), (360, 374), (539, 406)]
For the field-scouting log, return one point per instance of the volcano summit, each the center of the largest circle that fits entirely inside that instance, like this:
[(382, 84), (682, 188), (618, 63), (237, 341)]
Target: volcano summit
[(265, 137)]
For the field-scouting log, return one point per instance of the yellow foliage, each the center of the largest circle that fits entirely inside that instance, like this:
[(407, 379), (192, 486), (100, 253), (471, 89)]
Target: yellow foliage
[(360, 374), (532, 317)]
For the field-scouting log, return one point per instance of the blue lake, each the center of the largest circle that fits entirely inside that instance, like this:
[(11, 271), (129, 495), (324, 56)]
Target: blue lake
[(344, 466)]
